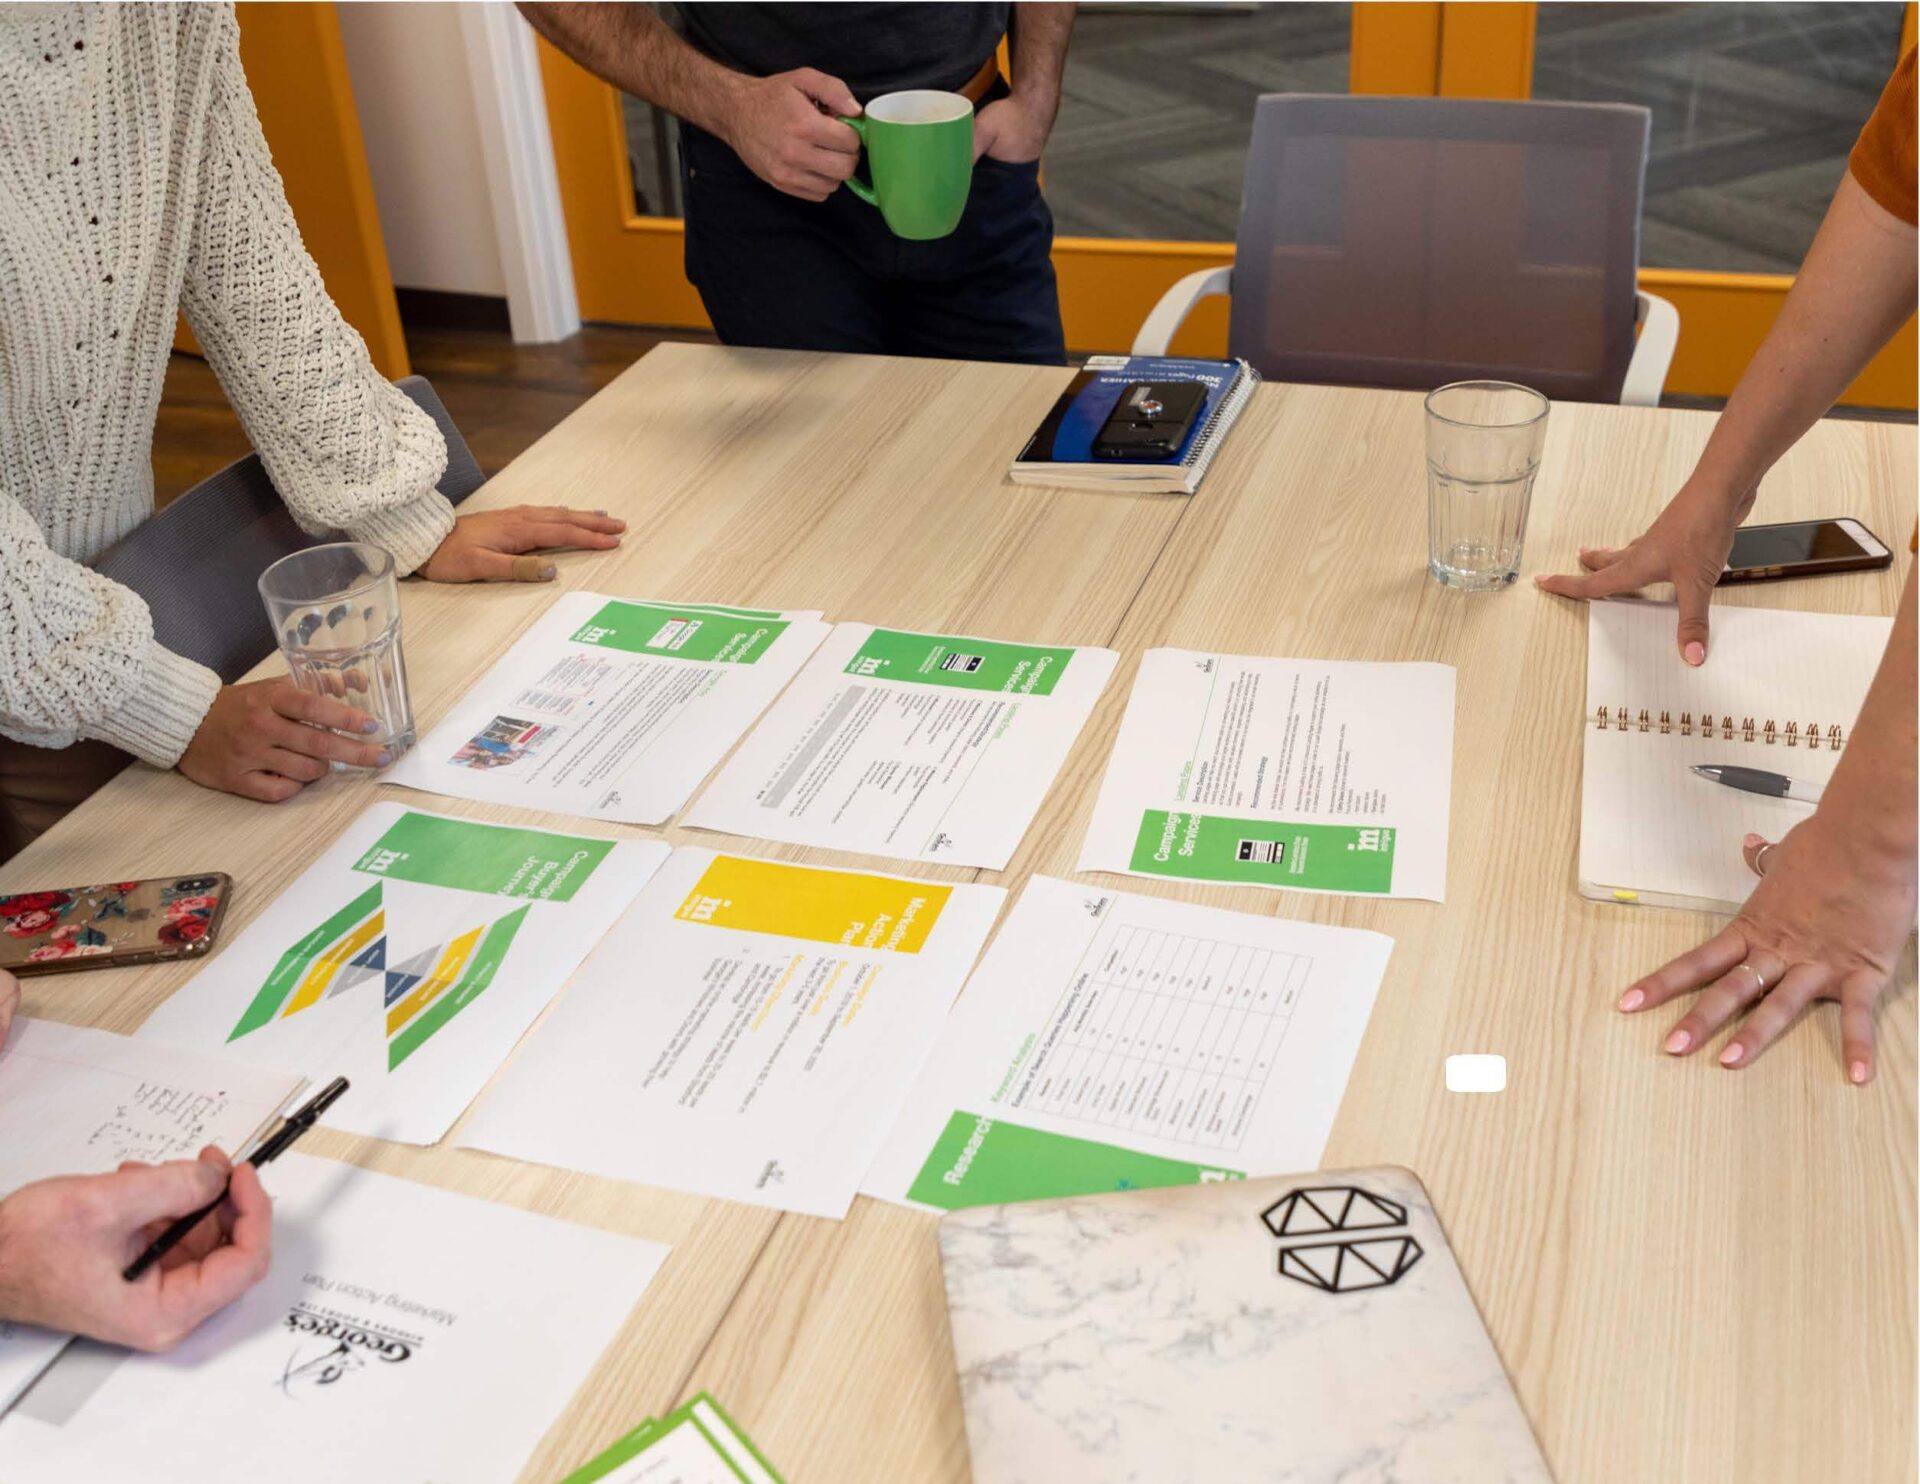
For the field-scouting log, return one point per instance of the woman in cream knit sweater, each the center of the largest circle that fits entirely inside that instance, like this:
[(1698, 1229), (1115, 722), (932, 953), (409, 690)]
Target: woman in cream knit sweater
[(135, 183)]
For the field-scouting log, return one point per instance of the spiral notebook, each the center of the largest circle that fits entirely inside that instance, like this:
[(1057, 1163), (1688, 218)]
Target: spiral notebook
[(1780, 691)]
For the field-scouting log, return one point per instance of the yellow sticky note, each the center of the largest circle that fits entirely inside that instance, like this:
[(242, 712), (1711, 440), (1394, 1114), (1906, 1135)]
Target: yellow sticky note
[(821, 906)]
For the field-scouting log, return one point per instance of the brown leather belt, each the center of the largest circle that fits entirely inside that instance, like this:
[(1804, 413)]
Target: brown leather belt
[(975, 88)]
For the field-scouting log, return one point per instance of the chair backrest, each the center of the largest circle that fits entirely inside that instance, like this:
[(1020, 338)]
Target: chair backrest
[(197, 561), (1409, 242)]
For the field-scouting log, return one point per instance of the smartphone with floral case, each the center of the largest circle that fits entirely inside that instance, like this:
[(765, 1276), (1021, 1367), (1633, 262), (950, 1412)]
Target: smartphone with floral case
[(115, 923)]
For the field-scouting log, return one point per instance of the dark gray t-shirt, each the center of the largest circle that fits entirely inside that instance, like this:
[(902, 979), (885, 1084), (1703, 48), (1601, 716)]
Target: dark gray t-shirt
[(873, 49)]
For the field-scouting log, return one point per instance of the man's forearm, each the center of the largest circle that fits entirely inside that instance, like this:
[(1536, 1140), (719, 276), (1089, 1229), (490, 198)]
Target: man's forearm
[(1038, 47), (1854, 290), (632, 48)]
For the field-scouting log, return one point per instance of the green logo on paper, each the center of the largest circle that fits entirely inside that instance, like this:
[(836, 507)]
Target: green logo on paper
[(1210, 847), (960, 664), (490, 858), (681, 633)]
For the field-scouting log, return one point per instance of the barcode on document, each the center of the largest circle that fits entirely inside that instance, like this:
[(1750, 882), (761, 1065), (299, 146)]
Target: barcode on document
[(966, 662), (1266, 852)]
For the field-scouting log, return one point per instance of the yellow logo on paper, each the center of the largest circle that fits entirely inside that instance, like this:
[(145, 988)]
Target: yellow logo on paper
[(789, 901)]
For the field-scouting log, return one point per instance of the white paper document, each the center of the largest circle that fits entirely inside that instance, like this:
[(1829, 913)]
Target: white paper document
[(1111, 1041), (929, 747), (1779, 692), (747, 1030), (410, 957), (404, 1333), (1313, 775), (79, 1102), (612, 709)]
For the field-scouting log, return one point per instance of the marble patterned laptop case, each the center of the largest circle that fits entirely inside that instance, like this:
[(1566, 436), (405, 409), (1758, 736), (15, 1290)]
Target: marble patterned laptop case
[(1309, 1329)]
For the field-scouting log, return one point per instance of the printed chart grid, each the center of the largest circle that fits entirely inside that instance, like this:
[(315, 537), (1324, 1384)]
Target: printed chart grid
[(1168, 1034)]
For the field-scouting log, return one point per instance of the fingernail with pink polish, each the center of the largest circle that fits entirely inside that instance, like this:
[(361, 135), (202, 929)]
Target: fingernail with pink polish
[(1753, 840), (1678, 1042), (1696, 653), (1733, 1055), (1858, 1072), (1633, 999)]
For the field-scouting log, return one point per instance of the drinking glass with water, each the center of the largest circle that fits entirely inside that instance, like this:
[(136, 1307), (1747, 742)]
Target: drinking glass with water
[(335, 612), (1483, 451)]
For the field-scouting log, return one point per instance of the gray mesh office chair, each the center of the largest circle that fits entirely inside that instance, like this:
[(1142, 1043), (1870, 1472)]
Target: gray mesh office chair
[(1409, 242), (196, 562)]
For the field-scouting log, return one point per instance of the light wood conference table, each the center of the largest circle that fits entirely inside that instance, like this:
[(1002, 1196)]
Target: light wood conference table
[(1691, 1274)]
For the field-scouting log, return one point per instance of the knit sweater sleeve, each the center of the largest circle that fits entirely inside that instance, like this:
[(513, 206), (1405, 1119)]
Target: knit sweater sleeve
[(344, 447), (80, 659)]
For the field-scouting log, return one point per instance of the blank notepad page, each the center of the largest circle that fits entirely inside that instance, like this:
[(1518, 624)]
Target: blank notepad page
[(1648, 824)]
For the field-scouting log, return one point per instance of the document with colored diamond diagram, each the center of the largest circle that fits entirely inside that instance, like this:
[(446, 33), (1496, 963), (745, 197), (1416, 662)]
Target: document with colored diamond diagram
[(1112, 1041), (931, 747), (409, 958), (747, 1030), (1313, 775), (402, 1333), (612, 709)]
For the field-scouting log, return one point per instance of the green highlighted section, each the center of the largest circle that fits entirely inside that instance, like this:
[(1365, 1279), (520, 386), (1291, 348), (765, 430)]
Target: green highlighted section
[(479, 974), (962, 664), (982, 1162), (729, 636), (295, 962), (1210, 847), (489, 858)]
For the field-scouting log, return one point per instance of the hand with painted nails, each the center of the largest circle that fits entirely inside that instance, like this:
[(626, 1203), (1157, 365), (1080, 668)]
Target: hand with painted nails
[(499, 545), (1828, 921), (268, 739), (1686, 545)]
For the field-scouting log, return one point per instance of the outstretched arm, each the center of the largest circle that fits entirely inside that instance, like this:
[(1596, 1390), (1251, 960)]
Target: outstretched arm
[(1854, 291)]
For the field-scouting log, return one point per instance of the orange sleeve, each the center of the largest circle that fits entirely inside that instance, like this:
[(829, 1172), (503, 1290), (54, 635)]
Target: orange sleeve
[(1883, 159)]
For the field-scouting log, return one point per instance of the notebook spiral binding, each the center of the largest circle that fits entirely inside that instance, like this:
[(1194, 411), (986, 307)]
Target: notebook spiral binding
[(1744, 730)]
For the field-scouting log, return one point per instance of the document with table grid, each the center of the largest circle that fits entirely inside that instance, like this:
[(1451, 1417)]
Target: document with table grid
[(1111, 1040)]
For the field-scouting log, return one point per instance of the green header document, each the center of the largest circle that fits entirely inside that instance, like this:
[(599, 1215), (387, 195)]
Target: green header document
[(1313, 775), (609, 708), (696, 1444), (1111, 1041), (932, 747), (409, 958)]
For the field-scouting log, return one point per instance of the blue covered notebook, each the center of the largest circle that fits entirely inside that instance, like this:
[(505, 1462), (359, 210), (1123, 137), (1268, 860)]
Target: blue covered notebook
[(1060, 452)]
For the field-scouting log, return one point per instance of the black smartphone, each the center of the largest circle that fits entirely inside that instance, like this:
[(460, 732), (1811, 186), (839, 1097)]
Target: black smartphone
[(1151, 420), (1804, 548), (113, 923)]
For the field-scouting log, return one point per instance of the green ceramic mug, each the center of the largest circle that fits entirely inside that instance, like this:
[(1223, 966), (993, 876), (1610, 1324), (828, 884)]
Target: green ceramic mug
[(920, 154)]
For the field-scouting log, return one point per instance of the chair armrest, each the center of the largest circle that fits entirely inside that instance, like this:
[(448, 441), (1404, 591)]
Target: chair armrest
[(1646, 376), (1158, 328)]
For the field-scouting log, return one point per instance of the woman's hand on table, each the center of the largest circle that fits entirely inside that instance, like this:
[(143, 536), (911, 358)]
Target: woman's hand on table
[(64, 1243), (268, 739), (498, 545), (1828, 921), (1687, 545)]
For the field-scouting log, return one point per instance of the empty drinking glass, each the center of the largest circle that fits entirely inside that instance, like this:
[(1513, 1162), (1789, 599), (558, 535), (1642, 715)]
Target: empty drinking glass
[(335, 611), (1483, 450)]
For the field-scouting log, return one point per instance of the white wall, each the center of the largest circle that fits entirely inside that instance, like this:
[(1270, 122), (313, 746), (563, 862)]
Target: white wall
[(411, 84)]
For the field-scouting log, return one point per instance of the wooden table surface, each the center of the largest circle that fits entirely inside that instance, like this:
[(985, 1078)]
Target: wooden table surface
[(1691, 1274)]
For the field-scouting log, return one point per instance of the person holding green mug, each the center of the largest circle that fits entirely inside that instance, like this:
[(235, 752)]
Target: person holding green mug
[(855, 177)]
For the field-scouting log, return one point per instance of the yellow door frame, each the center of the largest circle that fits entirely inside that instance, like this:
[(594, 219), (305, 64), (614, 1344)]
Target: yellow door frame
[(629, 268)]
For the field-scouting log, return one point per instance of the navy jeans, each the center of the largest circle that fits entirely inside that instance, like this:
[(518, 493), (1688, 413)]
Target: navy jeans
[(775, 270)]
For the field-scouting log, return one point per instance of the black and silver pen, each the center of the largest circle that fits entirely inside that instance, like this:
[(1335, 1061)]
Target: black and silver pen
[(1758, 781), (271, 1148)]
